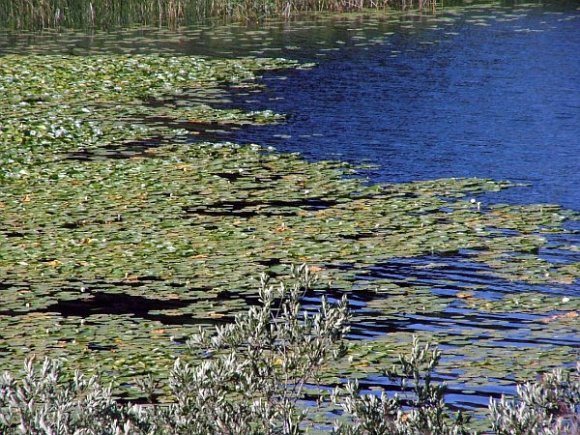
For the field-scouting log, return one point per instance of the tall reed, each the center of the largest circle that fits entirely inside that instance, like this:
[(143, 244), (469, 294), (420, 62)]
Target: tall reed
[(44, 14)]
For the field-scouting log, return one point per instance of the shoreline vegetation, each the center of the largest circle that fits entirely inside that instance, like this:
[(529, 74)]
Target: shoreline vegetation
[(105, 14), (262, 374)]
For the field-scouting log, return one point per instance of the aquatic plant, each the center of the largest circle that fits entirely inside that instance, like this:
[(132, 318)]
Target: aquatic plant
[(255, 375), (120, 233)]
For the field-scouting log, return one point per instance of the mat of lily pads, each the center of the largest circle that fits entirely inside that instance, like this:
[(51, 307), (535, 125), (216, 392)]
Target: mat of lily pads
[(123, 227)]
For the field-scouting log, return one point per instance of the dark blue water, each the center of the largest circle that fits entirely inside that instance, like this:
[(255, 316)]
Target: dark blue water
[(499, 100)]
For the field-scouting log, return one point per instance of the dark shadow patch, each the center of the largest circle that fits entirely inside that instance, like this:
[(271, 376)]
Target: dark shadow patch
[(358, 236), (84, 222), (230, 176), (126, 150), (199, 131), (114, 304), (101, 302), (254, 208), (10, 234), (270, 262)]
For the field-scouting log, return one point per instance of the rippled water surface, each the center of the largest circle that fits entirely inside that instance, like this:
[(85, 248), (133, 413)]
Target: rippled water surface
[(490, 93)]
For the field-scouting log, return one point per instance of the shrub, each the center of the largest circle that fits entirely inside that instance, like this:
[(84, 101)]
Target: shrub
[(256, 369), (548, 407), (253, 375), (44, 401), (424, 400)]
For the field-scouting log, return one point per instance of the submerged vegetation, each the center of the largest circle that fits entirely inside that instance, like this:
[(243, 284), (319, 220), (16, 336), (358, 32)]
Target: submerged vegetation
[(41, 14), (263, 374)]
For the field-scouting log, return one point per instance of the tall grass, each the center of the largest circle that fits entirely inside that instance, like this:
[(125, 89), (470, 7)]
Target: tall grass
[(41, 14), (44, 14)]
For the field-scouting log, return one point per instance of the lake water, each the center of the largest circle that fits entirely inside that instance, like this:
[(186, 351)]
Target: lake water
[(475, 96), (485, 91)]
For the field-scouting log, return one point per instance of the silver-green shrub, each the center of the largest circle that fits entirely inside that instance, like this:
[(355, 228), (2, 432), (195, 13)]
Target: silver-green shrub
[(252, 376), (423, 400), (255, 370), (44, 401), (548, 407)]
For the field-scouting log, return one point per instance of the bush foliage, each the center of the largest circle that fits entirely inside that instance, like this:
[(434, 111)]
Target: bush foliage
[(254, 375)]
